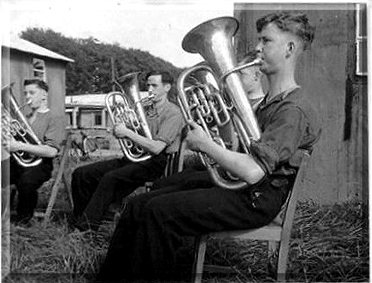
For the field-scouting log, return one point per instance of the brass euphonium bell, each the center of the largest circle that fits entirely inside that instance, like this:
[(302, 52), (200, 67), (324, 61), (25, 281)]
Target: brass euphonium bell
[(213, 40), (126, 107), (15, 125)]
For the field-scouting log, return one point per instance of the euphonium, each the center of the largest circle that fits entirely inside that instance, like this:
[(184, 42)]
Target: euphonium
[(213, 41), (15, 125), (126, 107)]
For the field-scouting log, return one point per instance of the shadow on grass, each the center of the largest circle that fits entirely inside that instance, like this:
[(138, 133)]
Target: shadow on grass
[(328, 244)]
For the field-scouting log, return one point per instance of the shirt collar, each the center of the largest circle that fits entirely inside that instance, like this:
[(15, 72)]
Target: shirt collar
[(278, 98), (156, 108)]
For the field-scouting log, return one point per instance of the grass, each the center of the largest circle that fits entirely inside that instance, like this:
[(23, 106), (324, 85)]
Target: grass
[(328, 244)]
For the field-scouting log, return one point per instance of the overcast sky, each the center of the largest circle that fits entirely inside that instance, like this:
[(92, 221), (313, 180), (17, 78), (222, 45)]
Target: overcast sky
[(146, 25)]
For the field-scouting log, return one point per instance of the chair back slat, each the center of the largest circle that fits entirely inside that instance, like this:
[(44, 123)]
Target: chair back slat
[(294, 192)]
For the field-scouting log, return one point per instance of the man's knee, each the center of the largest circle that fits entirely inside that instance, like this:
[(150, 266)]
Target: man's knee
[(77, 173), (82, 174), (156, 209)]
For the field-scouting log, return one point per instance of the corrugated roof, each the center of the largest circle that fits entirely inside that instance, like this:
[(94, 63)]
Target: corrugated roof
[(26, 46)]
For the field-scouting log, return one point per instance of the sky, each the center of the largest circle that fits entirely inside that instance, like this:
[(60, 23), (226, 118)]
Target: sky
[(154, 26)]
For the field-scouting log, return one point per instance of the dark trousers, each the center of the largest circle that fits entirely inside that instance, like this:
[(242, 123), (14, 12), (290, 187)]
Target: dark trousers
[(27, 181), (189, 178), (147, 237), (95, 186)]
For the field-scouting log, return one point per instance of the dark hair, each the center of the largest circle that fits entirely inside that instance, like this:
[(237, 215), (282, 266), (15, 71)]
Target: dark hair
[(295, 23), (40, 83), (166, 77)]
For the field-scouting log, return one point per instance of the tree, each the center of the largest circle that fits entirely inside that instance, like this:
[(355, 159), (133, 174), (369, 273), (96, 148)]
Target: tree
[(92, 70)]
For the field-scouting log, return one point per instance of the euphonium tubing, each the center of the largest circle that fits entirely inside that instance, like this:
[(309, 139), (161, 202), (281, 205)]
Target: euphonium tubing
[(129, 110), (213, 41)]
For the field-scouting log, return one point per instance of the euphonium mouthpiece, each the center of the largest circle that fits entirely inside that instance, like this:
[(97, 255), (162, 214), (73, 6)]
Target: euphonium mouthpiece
[(28, 102), (148, 100), (257, 61)]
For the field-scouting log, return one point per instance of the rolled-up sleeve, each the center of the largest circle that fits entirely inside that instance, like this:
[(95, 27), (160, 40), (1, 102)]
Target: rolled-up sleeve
[(280, 140)]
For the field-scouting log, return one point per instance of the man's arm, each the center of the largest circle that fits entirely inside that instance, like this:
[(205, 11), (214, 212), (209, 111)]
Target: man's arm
[(240, 164), (38, 150), (152, 146), (51, 139)]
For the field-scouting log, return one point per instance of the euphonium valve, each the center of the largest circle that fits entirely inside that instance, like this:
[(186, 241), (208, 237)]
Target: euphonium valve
[(126, 107), (213, 40)]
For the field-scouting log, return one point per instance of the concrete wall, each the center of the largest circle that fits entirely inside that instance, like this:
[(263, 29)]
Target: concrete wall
[(339, 165)]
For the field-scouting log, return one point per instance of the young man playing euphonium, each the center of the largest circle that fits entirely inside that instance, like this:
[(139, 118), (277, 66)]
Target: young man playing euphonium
[(95, 186), (194, 174), (149, 232), (50, 130)]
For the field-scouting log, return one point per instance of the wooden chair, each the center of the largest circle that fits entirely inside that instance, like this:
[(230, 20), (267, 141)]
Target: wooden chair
[(277, 233), (60, 175)]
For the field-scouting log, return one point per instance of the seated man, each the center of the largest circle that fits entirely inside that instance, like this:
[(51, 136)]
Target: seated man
[(94, 186), (50, 130), (150, 230), (195, 173)]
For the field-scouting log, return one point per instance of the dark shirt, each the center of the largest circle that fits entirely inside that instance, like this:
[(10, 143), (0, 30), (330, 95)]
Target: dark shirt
[(288, 124)]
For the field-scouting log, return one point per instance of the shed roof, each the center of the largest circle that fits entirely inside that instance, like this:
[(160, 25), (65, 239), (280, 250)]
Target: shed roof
[(23, 45), (97, 99), (85, 99)]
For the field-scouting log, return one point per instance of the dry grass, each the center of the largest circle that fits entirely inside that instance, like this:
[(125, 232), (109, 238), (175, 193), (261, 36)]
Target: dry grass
[(329, 244), (44, 252)]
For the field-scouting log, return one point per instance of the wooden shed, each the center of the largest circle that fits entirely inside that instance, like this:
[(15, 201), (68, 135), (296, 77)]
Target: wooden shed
[(21, 59), (335, 72)]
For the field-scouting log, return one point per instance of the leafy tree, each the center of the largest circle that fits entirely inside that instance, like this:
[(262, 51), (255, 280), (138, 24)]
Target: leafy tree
[(92, 70)]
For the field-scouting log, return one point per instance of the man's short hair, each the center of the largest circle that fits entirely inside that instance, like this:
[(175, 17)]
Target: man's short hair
[(166, 77), (40, 83), (295, 23)]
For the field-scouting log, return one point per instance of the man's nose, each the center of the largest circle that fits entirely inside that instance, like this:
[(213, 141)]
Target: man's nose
[(258, 48)]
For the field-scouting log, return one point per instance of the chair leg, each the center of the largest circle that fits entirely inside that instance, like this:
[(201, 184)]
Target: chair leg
[(52, 199), (282, 261), (200, 247), (55, 188)]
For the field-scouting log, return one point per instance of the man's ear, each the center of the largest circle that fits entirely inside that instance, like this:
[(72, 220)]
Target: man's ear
[(45, 95), (168, 87), (291, 47)]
